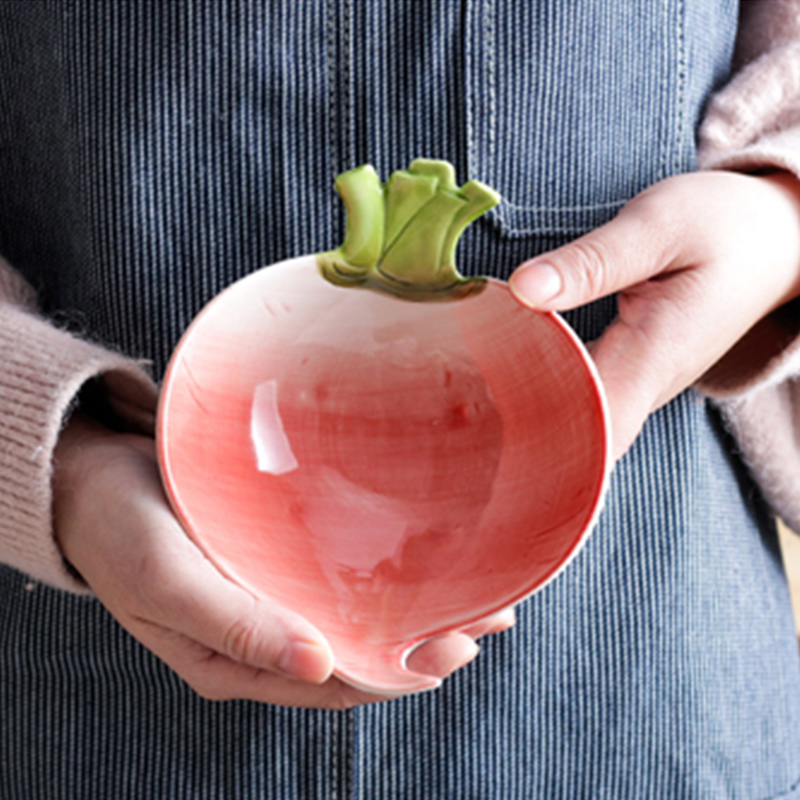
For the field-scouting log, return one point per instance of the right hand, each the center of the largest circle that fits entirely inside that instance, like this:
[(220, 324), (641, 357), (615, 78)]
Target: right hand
[(115, 527)]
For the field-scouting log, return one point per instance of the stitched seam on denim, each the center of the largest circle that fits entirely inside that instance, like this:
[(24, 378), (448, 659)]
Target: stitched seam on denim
[(330, 46), (664, 139), (350, 753), (551, 231), (786, 794), (490, 32), (469, 92), (333, 754), (682, 69), (567, 209), (348, 123)]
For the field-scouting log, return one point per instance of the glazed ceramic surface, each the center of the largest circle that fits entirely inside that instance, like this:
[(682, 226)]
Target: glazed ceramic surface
[(391, 469)]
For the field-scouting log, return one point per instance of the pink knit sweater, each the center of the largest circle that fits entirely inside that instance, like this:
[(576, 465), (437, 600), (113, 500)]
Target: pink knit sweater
[(752, 123)]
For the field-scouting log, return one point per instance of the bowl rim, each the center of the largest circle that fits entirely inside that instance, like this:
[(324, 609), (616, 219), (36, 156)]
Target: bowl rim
[(525, 592)]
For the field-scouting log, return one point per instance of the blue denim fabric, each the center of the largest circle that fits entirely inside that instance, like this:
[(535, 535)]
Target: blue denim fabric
[(153, 152)]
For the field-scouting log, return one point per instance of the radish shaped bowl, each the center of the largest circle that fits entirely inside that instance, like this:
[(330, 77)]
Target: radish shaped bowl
[(369, 438)]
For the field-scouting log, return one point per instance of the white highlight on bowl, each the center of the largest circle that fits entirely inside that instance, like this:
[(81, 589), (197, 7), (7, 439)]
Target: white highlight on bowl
[(273, 451)]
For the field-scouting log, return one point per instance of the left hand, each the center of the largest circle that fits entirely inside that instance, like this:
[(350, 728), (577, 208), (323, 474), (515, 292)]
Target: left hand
[(114, 524), (697, 260)]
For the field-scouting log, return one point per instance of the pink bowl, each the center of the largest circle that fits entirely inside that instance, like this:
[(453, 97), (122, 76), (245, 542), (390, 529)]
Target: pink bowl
[(390, 469)]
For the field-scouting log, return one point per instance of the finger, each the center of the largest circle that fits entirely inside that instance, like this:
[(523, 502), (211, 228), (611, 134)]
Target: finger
[(656, 347), (217, 677), (443, 655), (625, 251), (496, 623), (177, 587), (630, 390), (184, 592)]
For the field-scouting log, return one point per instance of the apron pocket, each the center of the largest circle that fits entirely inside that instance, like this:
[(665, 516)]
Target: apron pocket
[(572, 108)]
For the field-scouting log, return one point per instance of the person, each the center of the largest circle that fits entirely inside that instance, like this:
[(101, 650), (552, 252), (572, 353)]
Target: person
[(152, 153)]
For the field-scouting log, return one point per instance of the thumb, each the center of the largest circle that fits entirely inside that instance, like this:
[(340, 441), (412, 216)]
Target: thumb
[(630, 367), (636, 357), (621, 253)]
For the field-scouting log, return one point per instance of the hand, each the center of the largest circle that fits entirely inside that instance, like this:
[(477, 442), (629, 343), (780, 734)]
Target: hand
[(697, 261), (114, 525)]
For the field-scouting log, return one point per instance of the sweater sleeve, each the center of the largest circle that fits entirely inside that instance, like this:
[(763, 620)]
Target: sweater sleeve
[(42, 369), (753, 124)]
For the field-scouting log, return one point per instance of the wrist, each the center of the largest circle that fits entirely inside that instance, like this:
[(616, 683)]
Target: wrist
[(786, 188)]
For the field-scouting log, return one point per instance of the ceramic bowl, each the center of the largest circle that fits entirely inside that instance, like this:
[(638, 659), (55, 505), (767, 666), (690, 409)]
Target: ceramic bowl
[(390, 469)]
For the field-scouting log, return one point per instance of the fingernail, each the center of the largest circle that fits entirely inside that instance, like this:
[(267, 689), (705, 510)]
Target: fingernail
[(536, 284), (305, 661), (505, 621), (471, 650)]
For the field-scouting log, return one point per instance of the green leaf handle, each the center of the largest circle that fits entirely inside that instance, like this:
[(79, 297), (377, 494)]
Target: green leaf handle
[(401, 237)]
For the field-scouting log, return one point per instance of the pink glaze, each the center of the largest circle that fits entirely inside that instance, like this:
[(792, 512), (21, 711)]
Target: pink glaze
[(391, 469)]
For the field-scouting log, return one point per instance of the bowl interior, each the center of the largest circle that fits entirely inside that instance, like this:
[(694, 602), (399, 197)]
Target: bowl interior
[(390, 469)]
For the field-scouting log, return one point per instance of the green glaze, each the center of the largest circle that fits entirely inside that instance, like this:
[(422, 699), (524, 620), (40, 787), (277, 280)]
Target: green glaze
[(401, 237)]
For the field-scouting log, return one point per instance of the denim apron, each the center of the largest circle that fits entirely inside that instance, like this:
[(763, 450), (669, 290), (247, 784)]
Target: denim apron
[(153, 152)]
